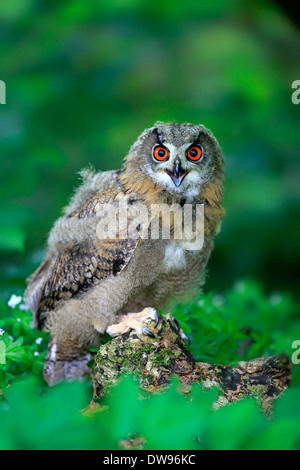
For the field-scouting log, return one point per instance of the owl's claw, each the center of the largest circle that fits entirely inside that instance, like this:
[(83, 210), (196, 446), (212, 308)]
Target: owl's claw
[(156, 318), (185, 337), (134, 321), (176, 323), (147, 332), (182, 334)]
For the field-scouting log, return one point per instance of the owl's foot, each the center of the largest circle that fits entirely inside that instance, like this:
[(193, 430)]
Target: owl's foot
[(134, 321)]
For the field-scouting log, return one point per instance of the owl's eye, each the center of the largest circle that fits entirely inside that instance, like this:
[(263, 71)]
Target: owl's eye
[(194, 153), (160, 153)]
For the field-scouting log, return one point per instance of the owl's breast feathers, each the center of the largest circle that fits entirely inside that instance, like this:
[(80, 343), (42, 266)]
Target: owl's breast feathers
[(77, 259)]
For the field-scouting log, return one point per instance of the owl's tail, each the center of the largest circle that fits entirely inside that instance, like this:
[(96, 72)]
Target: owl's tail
[(58, 367)]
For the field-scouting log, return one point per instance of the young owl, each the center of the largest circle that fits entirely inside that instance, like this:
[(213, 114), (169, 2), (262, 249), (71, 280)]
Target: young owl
[(90, 283)]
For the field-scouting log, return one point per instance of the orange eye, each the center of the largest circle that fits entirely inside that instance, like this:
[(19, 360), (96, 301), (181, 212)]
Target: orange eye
[(194, 153), (160, 153)]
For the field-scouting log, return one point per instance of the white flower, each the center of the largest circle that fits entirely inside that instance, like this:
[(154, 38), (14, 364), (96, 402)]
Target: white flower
[(39, 340), (36, 353), (1, 332), (24, 307), (14, 300)]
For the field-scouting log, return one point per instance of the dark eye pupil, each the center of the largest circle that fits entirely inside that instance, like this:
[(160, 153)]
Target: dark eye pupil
[(161, 153), (193, 152)]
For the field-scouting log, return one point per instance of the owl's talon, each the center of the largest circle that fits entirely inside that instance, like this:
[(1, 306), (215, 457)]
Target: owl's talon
[(176, 323), (147, 332), (185, 337), (182, 334)]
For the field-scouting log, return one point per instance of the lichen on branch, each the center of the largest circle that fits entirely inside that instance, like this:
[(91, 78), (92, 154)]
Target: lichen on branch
[(154, 360)]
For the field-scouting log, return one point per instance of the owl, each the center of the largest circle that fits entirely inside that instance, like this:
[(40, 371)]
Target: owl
[(99, 277)]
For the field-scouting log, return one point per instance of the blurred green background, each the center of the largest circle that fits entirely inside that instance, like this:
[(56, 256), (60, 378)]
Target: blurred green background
[(85, 78)]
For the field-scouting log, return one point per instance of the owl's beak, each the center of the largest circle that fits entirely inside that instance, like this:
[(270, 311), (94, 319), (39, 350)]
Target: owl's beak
[(177, 174)]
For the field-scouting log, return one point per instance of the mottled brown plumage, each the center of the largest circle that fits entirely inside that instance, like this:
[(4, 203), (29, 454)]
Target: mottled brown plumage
[(86, 283)]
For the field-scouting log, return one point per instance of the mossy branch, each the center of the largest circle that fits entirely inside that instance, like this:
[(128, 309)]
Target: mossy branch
[(155, 360)]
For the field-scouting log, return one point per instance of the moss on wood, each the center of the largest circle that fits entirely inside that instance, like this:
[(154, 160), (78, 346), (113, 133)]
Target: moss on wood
[(154, 360)]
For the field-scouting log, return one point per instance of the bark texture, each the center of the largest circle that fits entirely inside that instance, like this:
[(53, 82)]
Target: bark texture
[(154, 360)]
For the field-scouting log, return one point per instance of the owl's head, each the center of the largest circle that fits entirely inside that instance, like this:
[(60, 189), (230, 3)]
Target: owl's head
[(182, 158)]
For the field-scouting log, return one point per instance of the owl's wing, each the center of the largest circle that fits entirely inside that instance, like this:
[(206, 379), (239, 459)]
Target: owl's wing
[(72, 269)]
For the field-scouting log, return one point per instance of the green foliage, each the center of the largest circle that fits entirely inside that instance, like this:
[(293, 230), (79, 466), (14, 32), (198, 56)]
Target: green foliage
[(243, 323), (24, 347), (34, 416), (169, 421)]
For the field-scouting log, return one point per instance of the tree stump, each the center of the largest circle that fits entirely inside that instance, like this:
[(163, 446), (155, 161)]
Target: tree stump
[(154, 360)]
